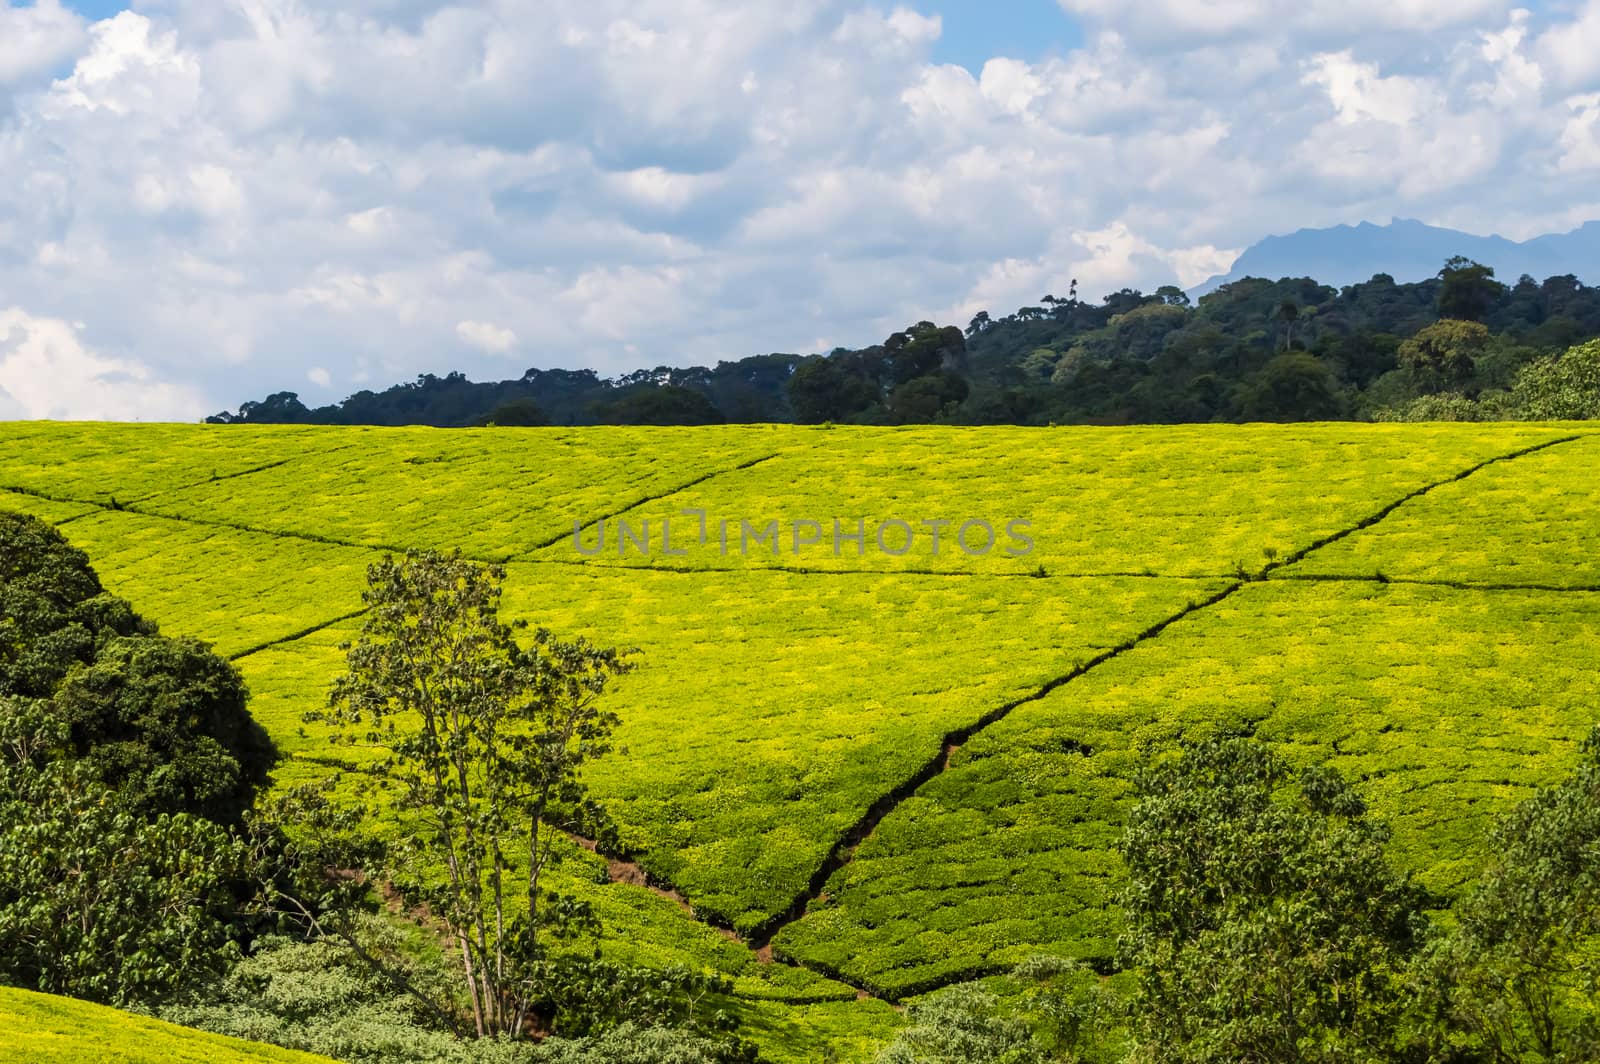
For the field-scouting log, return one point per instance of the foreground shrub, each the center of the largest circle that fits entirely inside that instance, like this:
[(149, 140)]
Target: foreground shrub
[(1519, 979), (962, 1025), (99, 902), (322, 998), (1264, 919), (1047, 1009)]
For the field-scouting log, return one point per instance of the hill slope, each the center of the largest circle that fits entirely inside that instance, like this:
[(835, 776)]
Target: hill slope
[(899, 765), (45, 1029)]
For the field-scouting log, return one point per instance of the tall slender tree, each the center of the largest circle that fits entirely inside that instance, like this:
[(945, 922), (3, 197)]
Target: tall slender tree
[(484, 742)]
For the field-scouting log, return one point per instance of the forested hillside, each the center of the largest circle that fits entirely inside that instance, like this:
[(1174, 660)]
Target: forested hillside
[(1253, 350)]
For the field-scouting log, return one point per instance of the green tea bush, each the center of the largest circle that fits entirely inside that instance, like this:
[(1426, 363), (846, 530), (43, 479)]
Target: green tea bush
[(1564, 388)]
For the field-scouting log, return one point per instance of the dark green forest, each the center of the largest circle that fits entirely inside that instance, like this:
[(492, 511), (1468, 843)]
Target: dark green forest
[(1449, 348)]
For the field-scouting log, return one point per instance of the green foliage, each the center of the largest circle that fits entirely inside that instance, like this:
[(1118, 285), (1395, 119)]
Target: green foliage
[(925, 350), (751, 744), (162, 721), (630, 1043), (962, 1025), (1451, 706), (1444, 352), (1294, 386), (1468, 289), (820, 391), (928, 398), (97, 901), (53, 612), (588, 998), (1132, 358), (1264, 926), (1077, 1016), (666, 404), (114, 742), (1139, 333), (321, 997), (1046, 1009), (1561, 389), (1444, 406), (517, 413), (1520, 975)]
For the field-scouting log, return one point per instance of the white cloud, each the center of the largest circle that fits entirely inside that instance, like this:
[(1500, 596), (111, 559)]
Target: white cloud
[(129, 69), (888, 35), (226, 192), (374, 221), (1518, 77), (1358, 92), (1010, 85), (486, 336), (206, 188), (1200, 263), (46, 372), (1580, 137), (1570, 51), (35, 38)]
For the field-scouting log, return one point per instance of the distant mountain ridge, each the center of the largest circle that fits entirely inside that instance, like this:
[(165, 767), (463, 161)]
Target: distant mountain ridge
[(1409, 250)]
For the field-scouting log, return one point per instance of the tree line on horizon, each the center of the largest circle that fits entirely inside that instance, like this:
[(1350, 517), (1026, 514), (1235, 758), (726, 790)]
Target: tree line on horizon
[(1448, 348)]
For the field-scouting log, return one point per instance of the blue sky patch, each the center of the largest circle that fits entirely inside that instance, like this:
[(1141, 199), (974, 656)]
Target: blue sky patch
[(975, 31)]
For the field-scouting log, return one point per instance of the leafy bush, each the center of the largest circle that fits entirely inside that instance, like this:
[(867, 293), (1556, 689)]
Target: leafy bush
[(1443, 351), (320, 997), (1264, 918), (99, 902), (633, 1044), (962, 1025), (1444, 406), (1520, 976), (164, 721), (1075, 1014), (1563, 388)]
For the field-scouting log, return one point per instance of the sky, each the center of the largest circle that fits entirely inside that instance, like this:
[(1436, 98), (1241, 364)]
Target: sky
[(209, 200)]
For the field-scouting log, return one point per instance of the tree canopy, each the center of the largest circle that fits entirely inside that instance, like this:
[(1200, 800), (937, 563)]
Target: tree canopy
[(1263, 916), (161, 721)]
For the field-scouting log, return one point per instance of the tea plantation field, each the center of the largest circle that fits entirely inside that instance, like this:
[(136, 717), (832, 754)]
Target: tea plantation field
[(44, 1029), (872, 762)]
